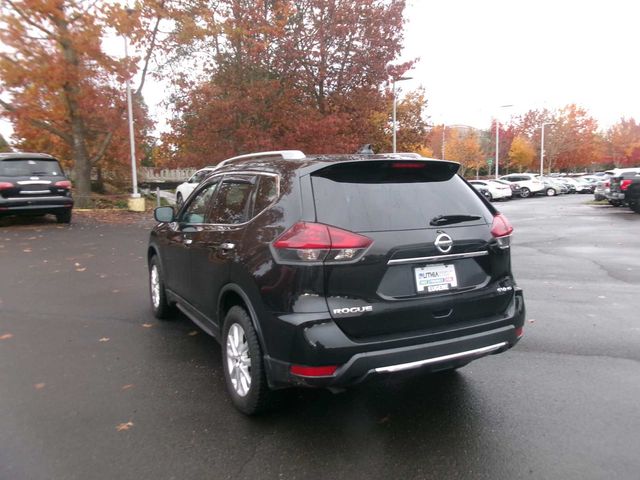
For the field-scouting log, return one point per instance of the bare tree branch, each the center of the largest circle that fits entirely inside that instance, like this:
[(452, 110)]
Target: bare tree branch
[(103, 148), (147, 59)]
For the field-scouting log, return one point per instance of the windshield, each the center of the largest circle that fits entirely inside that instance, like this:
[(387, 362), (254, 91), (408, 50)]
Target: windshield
[(25, 167)]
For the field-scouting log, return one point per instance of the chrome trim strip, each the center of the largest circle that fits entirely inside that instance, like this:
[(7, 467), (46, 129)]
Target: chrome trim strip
[(34, 182), (469, 353), (22, 199), (33, 192), (438, 258)]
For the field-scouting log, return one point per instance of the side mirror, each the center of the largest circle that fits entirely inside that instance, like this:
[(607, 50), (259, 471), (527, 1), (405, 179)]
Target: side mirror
[(164, 214)]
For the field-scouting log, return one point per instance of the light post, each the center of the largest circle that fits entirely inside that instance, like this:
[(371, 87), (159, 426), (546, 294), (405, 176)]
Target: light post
[(136, 202), (498, 141), (394, 108), (542, 147)]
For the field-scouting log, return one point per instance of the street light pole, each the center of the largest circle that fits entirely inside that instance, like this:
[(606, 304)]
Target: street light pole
[(394, 108), (542, 148), (498, 141), (132, 142)]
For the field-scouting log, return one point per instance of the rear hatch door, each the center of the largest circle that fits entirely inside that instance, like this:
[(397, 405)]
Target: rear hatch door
[(33, 178), (433, 262)]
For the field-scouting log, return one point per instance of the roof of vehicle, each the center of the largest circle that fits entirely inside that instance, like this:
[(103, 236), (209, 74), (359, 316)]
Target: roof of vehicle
[(19, 155), (275, 162)]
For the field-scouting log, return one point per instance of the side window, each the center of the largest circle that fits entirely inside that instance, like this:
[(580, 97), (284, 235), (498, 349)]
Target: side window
[(266, 193), (232, 202), (196, 211)]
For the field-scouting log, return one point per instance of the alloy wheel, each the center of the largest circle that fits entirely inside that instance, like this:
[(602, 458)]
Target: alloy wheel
[(238, 360)]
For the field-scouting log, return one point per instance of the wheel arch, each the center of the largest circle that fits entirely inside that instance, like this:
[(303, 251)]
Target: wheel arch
[(233, 295)]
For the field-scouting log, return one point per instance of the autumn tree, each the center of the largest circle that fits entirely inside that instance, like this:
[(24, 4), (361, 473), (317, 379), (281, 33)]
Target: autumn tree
[(308, 74), (521, 154), (62, 92), (464, 147), (623, 142)]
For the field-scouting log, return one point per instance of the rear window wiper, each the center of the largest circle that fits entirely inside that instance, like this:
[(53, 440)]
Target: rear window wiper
[(450, 219)]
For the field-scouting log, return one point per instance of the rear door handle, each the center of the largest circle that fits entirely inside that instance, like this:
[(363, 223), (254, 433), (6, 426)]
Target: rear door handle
[(227, 246), (188, 241)]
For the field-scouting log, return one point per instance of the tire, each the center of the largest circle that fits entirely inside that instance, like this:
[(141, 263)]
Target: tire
[(179, 201), (615, 203), (525, 192), (489, 196), (635, 206), (550, 192), (243, 364), (161, 308), (64, 217)]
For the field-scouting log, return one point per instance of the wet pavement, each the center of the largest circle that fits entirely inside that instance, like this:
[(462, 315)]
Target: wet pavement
[(92, 386)]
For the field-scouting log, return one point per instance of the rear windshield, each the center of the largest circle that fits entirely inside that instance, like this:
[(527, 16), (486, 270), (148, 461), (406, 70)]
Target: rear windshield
[(383, 199), (29, 167)]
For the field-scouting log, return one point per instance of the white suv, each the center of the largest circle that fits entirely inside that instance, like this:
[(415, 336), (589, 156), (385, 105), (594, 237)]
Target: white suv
[(528, 181), (184, 189)]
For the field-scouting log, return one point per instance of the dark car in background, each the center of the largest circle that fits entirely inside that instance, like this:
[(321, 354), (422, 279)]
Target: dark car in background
[(323, 271), (34, 184), (625, 189)]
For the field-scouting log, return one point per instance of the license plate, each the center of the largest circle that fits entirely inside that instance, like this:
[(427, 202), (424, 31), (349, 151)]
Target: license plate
[(436, 278)]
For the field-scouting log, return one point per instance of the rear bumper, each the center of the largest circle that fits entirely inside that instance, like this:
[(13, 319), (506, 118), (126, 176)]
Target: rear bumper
[(35, 206), (615, 196), (461, 346)]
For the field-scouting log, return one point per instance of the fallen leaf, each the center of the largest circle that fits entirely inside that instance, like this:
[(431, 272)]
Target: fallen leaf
[(147, 325), (39, 386), (81, 269), (27, 250), (192, 333), (115, 291), (104, 339), (124, 426), (127, 386), (6, 336), (102, 275), (76, 264), (532, 320)]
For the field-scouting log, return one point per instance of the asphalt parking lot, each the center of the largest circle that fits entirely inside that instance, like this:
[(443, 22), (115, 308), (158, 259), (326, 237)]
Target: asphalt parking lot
[(92, 386)]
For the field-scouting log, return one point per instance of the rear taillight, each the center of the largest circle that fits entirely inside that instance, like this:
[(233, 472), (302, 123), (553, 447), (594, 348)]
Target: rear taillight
[(304, 371), (63, 184), (315, 242), (5, 185), (501, 230), (625, 184), (607, 184)]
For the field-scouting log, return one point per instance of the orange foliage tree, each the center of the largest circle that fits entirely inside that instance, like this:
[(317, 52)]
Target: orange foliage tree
[(61, 91), (307, 74)]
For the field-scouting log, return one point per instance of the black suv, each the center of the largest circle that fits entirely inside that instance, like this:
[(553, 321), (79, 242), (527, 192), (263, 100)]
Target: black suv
[(34, 184), (322, 271)]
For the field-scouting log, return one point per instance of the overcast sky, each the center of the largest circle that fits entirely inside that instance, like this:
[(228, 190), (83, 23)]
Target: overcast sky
[(478, 55)]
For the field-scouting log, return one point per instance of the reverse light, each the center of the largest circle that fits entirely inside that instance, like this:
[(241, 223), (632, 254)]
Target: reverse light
[(315, 242), (305, 371), (501, 230), (5, 185)]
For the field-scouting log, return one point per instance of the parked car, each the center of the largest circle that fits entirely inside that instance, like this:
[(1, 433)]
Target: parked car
[(601, 190), (584, 185), (34, 184), (625, 190), (497, 191), (514, 186), (529, 183), (553, 186), (615, 194), (569, 187), (322, 271), (184, 189), (484, 191)]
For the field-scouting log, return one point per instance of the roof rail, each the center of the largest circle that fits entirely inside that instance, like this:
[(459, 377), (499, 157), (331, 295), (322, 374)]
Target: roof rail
[(283, 154)]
